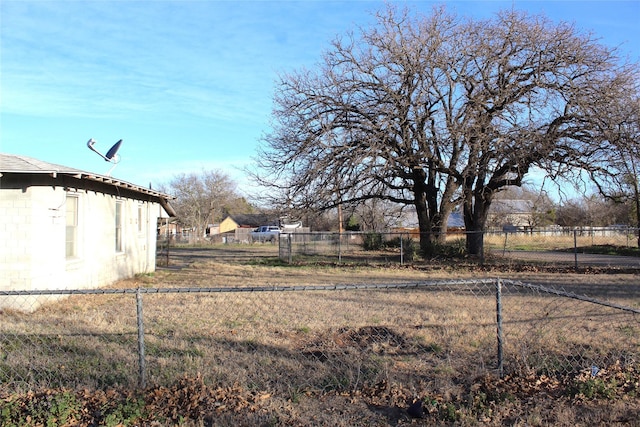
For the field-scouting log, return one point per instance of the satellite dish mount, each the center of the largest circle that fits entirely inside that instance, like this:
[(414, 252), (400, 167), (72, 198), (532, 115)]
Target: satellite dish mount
[(111, 155)]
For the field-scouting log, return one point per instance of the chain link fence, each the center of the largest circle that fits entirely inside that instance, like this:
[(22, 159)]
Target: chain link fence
[(289, 340), (576, 247)]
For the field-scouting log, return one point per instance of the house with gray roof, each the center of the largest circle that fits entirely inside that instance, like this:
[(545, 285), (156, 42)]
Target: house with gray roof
[(511, 214), (64, 228)]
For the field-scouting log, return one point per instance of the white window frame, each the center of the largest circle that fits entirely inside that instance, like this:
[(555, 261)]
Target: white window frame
[(119, 226), (71, 238), (141, 218)]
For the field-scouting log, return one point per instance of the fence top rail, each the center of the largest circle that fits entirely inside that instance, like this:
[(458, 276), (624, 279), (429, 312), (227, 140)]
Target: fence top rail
[(501, 230), (329, 287), (571, 295)]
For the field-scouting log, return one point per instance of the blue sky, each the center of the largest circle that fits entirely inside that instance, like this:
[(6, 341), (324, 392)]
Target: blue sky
[(188, 84)]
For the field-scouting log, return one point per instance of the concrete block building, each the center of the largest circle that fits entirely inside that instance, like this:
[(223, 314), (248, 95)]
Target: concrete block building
[(63, 228)]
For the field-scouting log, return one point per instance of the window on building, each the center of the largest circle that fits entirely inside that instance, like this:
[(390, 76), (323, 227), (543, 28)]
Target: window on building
[(119, 223), (140, 218), (71, 220)]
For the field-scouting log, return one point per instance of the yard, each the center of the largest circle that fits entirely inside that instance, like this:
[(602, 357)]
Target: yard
[(265, 351)]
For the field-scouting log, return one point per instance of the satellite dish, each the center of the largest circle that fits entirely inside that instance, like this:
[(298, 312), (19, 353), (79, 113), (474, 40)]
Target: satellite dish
[(113, 150), (111, 154)]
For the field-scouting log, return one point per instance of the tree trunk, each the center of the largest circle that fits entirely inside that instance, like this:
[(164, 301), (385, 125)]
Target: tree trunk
[(475, 241), (422, 211), (440, 225), (475, 213), (424, 225)]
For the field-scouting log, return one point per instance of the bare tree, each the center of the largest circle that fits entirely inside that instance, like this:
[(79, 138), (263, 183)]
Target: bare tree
[(437, 111), (203, 198), (619, 178), (357, 129), (593, 211), (375, 215), (573, 213)]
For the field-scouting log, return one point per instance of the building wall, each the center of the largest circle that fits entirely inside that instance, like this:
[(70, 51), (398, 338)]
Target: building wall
[(32, 239), (227, 224)]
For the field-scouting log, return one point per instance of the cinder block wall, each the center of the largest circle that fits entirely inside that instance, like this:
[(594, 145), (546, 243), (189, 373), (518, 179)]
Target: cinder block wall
[(32, 241)]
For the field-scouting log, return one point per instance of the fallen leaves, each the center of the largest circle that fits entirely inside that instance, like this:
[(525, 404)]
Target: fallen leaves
[(487, 400)]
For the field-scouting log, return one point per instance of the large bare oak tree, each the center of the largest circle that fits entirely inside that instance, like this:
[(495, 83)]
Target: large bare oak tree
[(438, 111)]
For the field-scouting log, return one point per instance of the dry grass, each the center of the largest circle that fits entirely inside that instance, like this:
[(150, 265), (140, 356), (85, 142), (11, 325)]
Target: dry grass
[(547, 241), (331, 357)]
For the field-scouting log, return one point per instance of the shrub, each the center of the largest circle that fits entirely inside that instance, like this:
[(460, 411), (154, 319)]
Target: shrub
[(372, 241)]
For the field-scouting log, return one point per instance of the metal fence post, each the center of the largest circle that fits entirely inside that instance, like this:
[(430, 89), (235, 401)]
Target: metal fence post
[(504, 249), (627, 233), (141, 358), (575, 248), (401, 249), (499, 327), (168, 249), (290, 246)]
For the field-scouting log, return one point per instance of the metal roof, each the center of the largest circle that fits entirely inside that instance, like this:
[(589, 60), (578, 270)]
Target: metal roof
[(512, 206), (11, 163)]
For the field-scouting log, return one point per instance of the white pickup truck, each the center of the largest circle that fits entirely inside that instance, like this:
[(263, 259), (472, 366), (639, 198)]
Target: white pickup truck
[(265, 233)]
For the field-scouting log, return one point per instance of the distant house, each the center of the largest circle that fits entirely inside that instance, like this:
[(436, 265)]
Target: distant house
[(233, 222), (63, 228), (511, 214), (238, 227), (409, 224)]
